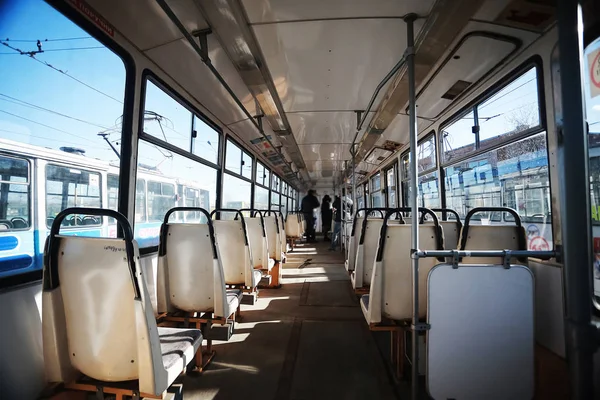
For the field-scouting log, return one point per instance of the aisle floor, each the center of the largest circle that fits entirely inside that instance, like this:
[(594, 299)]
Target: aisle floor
[(306, 340)]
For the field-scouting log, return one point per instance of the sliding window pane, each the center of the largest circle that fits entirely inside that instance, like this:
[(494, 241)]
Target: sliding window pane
[(246, 165), (206, 142), (457, 139), (512, 110), (233, 158), (166, 118)]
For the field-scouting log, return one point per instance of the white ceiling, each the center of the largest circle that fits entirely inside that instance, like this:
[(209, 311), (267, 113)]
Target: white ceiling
[(325, 57)]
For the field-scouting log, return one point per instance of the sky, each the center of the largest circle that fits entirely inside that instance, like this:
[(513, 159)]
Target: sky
[(44, 107)]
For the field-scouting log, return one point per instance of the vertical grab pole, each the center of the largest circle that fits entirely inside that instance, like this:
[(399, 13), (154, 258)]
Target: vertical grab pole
[(412, 109), (576, 230)]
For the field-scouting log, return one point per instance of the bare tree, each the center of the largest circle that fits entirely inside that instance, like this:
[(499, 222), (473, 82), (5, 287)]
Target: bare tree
[(522, 118)]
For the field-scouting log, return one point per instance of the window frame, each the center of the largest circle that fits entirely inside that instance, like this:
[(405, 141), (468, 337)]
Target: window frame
[(507, 79), (153, 140), (29, 185), (129, 93), (542, 128), (393, 166), (243, 152)]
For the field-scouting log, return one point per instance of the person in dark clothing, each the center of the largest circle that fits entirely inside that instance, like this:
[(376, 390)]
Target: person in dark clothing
[(326, 215), (337, 218), (308, 205)]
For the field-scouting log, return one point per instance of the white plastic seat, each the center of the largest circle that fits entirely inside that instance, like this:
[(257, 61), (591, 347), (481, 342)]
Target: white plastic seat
[(355, 233), (189, 270), (97, 317), (273, 237), (282, 235), (390, 292), (508, 236), (452, 228), (366, 252), (293, 225), (258, 243), (234, 252)]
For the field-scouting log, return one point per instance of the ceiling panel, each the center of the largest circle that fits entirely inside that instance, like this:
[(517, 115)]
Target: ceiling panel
[(331, 65), (323, 127), (179, 60), (152, 27), (266, 11), (477, 55)]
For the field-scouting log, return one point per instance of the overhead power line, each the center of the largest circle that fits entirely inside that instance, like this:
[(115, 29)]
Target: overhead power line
[(47, 40), (65, 49), (32, 55), (27, 104)]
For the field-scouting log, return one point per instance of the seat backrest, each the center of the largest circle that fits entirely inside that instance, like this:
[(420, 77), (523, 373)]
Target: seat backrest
[(97, 292), (234, 252), (370, 244), (390, 293), (195, 278), (258, 242), (492, 237), (96, 297), (355, 233), (282, 234), (273, 240), (366, 250), (292, 226), (451, 234)]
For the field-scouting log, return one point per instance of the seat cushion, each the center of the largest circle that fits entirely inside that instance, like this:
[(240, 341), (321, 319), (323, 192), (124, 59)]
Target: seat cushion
[(364, 305), (233, 300), (178, 345), (235, 292), (257, 276)]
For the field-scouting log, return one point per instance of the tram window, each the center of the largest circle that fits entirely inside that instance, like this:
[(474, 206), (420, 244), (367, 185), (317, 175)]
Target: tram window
[(512, 110), (426, 154), (284, 204), (236, 193), (246, 165), (262, 174), (376, 200), (516, 176), (59, 104), (275, 199), (14, 194), (206, 141), (275, 182), (261, 198), (162, 172), (140, 201), (71, 187), (166, 118), (457, 139), (429, 194), (360, 197), (390, 183)]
